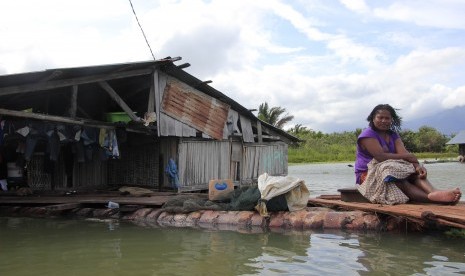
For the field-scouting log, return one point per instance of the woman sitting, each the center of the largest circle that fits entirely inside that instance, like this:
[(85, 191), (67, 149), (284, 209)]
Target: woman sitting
[(386, 172)]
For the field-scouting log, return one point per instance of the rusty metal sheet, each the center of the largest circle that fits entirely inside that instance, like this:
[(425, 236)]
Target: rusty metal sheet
[(194, 108)]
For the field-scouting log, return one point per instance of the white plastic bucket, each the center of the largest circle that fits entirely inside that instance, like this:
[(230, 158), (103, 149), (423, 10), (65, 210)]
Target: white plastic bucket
[(112, 205)]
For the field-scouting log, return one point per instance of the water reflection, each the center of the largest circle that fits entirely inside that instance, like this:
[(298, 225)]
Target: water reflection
[(412, 254), (70, 247)]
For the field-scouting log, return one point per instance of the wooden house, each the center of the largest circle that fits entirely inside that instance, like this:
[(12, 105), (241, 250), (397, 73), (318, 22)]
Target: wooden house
[(121, 124), (459, 139)]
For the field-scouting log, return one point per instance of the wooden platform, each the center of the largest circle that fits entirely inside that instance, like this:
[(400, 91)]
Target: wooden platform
[(157, 199), (447, 215)]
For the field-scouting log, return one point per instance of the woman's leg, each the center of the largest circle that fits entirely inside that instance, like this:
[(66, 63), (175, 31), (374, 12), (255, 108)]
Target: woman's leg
[(435, 195), (421, 190), (413, 192)]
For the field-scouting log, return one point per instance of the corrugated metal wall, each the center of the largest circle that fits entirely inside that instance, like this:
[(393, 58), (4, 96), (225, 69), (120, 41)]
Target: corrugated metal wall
[(201, 161), (194, 108), (259, 159)]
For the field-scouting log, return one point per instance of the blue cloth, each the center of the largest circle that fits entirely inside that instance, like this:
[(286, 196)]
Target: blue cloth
[(389, 178), (171, 171)]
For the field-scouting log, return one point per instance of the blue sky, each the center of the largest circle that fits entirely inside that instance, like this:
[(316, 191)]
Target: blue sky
[(327, 62)]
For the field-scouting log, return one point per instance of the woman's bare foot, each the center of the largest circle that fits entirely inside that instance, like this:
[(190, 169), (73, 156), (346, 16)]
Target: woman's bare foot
[(446, 196)]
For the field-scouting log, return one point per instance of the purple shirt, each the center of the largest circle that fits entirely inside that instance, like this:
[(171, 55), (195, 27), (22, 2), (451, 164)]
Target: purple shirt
[(363, 157)]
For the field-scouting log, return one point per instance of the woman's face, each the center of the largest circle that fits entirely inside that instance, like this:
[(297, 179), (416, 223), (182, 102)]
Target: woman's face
[(382, 120)]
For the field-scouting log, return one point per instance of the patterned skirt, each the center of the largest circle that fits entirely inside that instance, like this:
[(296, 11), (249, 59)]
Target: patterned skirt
[(379, 185)]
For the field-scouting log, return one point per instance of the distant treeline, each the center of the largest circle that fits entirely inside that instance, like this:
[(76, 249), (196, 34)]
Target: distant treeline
[(427, 142)]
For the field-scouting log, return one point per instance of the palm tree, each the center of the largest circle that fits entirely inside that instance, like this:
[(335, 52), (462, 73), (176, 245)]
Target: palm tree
[(299, 129), (273, 115)]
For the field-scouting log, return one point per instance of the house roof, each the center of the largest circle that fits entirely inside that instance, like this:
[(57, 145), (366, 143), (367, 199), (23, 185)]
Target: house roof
[(126, 78), (458, 139)]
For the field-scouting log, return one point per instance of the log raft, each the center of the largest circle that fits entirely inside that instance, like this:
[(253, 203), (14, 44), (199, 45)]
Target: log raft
[(325, 212)]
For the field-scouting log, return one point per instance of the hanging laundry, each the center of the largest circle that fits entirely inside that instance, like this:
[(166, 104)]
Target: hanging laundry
[(171, 171), (109, 143)]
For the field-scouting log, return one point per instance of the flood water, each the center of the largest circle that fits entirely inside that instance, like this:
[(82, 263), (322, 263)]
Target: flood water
[(31, 246), (327, 178)]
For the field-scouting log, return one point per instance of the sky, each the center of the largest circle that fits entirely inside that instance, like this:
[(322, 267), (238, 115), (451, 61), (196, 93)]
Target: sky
[(327, 62)]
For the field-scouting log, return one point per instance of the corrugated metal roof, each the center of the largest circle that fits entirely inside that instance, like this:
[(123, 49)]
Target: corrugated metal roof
[(458, 139), (56, 81)]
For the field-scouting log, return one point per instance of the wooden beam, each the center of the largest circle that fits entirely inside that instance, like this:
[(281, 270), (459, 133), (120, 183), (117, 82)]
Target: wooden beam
[(274, 133), (73, 102), (69, 82), (54, 74), (151, 103), (203, 82), (184, 65), (118, 100), (259, 132), (52, 118)]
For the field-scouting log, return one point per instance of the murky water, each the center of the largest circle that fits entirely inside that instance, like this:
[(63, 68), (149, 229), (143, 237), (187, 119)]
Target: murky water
[(74, 247)]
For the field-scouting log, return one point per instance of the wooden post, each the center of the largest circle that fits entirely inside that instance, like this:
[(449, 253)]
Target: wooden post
[(73, 102), (157, 94), (259, 132), (151, 103)]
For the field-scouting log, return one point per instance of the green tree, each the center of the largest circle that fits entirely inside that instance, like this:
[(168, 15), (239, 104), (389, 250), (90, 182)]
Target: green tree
[(410, 140), (430, 140), (298, 129), (274, 116)]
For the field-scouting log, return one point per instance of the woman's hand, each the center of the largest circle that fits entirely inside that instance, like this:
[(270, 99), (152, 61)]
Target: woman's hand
[(421, 171)]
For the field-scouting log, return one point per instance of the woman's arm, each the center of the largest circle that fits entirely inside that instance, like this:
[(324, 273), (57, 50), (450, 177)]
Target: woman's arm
[(400, 148), (374, 148)]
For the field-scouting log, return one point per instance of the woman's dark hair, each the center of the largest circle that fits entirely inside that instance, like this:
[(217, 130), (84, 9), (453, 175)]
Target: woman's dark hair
[(396, 119)]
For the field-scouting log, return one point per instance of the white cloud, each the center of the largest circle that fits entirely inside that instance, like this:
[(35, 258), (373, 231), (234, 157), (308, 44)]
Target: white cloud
[(327, 63), (431, 13), (358, 6)]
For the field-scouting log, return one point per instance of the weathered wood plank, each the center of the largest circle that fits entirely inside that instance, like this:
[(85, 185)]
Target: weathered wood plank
[(52, 118), (73, 102)]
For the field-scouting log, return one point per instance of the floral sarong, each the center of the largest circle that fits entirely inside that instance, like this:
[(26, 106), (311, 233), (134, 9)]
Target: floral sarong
[(380, 187)]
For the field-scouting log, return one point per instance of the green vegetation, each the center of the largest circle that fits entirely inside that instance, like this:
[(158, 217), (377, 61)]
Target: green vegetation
[(426, 143), (455, 233)]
